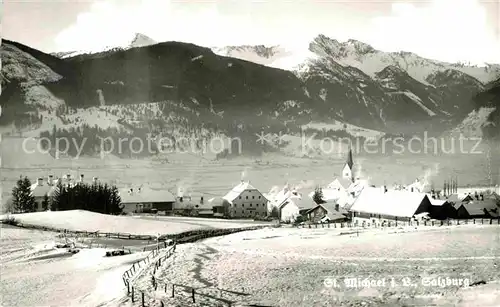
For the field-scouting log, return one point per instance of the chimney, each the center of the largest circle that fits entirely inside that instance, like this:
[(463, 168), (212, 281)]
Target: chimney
[(482, 196), (81, 178), (68, 177), (50, 180), (385, 189), (40, 181), (201, 200), (95, 179), (412, 189)]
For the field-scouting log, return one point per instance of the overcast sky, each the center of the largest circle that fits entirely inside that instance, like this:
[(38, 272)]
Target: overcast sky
[(449, 30)]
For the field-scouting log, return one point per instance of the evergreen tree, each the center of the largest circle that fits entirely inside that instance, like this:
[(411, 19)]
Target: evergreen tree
[(57, 198), (45, 202), (22, 199), (318, 196)]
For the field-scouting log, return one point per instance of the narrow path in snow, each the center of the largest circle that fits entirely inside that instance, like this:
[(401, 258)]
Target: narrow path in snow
[(199, 265)]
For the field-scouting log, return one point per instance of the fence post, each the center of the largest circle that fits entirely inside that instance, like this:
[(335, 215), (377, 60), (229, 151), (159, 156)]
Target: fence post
[(142, 295), (482, 221), (192, 295), (473, 221), (128, 288), (165, 288), (491, 221), (132, 294), (173, 290)]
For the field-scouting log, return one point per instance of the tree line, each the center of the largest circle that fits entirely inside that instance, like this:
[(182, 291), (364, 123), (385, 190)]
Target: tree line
[(96, 197)]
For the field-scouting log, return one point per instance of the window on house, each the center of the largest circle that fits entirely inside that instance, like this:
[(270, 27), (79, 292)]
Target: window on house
[(259, 197), (250, 205), (247, 197), (253, 197), (239, 197), (243, 205)]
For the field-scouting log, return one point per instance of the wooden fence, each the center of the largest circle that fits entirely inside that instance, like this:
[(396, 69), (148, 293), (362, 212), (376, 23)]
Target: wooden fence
[(491, 221), (173, 290)]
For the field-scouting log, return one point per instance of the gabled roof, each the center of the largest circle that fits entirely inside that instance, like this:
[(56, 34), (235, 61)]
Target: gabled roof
[(301, 201), (340, 183), (392, 202), (437, 202), (462, 197), (42, 190), (237, 190), (331, 213), (330, 194), (145, 195), (477, 207), (331, 206)]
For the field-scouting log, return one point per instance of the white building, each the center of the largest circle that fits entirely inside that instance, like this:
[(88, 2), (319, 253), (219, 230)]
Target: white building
[(244, 200)]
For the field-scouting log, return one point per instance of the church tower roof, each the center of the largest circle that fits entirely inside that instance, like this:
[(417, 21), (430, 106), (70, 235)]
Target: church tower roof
[(349, 161)]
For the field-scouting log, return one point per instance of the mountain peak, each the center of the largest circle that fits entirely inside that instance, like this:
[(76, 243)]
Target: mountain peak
[(324, 46), (141, 40)]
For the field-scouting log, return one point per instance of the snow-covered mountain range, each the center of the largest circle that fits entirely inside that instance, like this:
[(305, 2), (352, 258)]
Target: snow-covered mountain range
[(326, 81), (139, 40)]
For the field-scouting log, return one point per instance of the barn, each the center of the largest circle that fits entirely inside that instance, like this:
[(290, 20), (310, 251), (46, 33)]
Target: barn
[(144, 199), (376, 205)]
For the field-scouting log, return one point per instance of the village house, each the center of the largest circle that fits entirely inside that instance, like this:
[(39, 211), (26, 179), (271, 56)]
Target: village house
[(327, 212), (244, 200), (376, 205), (291, 205), (486, 208), (40, 190), (193, 204), (146, 200)]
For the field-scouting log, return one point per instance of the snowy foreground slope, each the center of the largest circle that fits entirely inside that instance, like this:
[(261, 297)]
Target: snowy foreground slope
[(34, 273), (90, 221), (295, 267)]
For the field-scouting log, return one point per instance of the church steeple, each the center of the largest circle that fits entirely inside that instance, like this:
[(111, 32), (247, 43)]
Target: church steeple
[(347, 171), (349, 161)]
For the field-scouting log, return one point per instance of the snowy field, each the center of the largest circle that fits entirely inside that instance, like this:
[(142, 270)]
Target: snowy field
[(292, 267), (90, 221), (34, 273)]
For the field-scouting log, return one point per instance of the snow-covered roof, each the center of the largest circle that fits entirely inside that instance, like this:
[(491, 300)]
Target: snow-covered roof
[(436, 202), (300, 200), (393, 203), (340, 183), (145, 195), (477, 207), (460, 197), (40, 190), (331, 212), (330, 194), (237, 190)]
